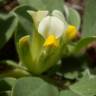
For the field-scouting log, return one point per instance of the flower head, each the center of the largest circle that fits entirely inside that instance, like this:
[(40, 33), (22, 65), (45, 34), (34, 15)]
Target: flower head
[(45, 47), (51, 28)]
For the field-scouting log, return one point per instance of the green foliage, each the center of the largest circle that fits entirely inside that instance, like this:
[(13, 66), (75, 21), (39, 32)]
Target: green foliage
[(43, 4), (33, 86), (6, 85), (68, 93), (12, 69), (72, 16), (6, 93), (68, 77), (24, 25), (89, 24), (83, 44), (8, 24), (86, 86)]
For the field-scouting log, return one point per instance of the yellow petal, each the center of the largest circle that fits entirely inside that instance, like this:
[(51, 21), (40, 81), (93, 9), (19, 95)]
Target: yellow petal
[(51, 41), (71, 32)]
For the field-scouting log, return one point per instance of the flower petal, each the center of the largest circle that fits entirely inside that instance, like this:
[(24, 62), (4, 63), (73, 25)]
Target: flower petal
[(37, 16), (71, 32), (59, 15), (51, 41), (51, 25), (57, 27)]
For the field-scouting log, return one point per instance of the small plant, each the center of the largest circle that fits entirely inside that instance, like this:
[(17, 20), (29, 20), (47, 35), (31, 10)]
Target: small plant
[(52, 59)]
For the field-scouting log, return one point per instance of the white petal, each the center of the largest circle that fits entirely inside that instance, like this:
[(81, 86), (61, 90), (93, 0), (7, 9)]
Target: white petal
[(51, 25), (59, 15), (57, 27), (44, 26), (37, 16)]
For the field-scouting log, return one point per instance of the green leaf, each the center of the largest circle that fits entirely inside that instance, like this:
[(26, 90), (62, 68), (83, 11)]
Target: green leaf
[(5, 93), (9, 65), (8, 24), (53, 4), (9, 68), (24, 25), (32, 86), (83, 43), (44, 4), (68, 93), (71, 75), (6, 84), (85, 87), (72, 16), (37, 4), (89, 25), (25, 21)]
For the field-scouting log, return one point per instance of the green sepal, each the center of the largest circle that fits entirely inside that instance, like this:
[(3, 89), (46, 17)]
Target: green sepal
[(52, 56), (29, 50), (25, 52)]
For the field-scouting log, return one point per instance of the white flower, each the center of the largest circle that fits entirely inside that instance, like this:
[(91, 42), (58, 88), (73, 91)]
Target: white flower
[(51, 28)]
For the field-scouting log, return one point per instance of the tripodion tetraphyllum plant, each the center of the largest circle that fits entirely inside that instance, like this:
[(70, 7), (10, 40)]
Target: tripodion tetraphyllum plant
[(45, 47), (52, 60)]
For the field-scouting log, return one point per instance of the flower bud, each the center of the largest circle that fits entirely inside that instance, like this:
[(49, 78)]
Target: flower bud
[(71, 32), (24, 51)]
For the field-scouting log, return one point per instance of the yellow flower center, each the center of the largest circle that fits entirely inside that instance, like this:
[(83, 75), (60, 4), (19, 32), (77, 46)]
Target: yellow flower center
[(51, 41), (71, 32)]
